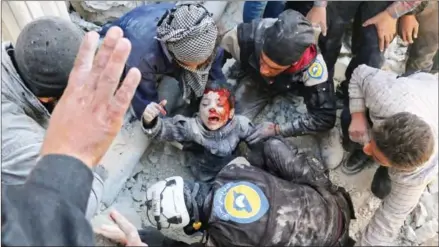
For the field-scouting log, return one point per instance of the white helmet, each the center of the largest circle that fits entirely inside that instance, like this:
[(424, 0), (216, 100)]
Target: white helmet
[(165, 204)]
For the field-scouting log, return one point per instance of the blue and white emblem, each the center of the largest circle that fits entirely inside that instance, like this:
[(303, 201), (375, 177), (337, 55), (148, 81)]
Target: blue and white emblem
[(240, 202)]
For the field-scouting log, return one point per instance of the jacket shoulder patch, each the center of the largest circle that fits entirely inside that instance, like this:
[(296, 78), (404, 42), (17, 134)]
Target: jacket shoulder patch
[(240, 202), (316, 73)]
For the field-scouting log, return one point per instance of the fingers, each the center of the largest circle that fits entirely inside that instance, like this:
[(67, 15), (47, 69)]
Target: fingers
[(390, 38), (381, 41), (404, 36), (369, 22), (409, 38), (160, 107), (84, 59), (122, 99), (163, 102), (110, 76), (103, 56), (386, 41), (112, 232), (415, 31), (129, 229), (253, 138), (324, 28)]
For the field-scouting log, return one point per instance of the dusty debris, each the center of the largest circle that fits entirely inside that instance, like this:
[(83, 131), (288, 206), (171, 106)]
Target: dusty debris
[(101, 12), (163, 160)]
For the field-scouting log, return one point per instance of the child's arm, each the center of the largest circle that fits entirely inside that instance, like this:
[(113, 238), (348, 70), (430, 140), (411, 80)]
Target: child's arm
[(177, 128), (246, 127)]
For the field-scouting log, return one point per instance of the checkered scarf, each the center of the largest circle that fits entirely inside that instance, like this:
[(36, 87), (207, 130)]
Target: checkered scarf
[(190, 35)]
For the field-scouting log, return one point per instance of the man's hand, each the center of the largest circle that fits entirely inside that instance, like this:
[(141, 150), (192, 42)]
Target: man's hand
[(262, 132), (386, 28), (358, 129), (153, 110), (317, 16), (408, 28), (90, 112), (123, 232)]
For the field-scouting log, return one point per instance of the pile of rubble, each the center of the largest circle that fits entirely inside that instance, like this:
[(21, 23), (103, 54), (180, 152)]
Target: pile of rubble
[(162, 160)]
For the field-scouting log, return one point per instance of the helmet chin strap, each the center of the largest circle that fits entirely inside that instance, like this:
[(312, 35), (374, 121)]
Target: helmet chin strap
[(196, 224), (156, 206)]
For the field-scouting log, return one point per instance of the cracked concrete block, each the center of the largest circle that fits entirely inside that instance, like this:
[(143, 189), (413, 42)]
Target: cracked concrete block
[(122, 157), (101, 12)]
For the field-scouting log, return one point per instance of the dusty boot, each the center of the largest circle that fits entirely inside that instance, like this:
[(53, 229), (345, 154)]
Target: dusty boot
[(381, 184), (331, 148), (355, 163)]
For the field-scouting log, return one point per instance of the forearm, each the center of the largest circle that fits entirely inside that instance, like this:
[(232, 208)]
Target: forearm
[(400, 8), (309, 123), (384, 226), (168, 129), (362, 87), (320, 103), (55, 195)]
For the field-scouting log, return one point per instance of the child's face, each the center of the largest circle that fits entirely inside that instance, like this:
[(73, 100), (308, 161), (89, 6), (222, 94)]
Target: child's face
[(215, 109)]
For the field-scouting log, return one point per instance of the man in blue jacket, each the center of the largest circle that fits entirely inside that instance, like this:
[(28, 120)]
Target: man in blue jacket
[(175, 49)]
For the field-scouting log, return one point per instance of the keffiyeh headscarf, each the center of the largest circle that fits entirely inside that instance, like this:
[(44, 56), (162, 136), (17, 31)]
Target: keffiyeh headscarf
[(190, 34)]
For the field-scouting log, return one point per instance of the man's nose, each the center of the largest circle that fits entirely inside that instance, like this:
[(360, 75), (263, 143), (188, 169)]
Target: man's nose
[(212, 110)]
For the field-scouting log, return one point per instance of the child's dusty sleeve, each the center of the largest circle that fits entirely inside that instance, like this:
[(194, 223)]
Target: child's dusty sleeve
[(246, 127), (177, 128)]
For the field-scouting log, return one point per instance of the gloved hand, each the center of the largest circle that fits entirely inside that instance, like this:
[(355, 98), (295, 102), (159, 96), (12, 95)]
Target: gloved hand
[(123, 232), (261, 133), (152, 111)]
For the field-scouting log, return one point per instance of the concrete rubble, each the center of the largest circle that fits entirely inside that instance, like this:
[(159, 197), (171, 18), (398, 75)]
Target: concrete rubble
[(101, 12), (126, 189)]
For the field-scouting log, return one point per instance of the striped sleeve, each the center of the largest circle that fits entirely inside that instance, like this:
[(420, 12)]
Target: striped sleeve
[(362, 87), (400, 8), (384, 226)]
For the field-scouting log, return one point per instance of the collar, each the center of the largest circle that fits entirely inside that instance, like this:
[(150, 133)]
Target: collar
[(307, 58)]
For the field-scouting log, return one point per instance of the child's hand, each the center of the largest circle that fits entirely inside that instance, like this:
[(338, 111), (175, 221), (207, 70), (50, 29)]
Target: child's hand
[(153, 110), (123, 232)]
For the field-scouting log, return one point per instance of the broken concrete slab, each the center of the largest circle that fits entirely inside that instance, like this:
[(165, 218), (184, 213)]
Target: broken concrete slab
[(122, 157), (101, 12)]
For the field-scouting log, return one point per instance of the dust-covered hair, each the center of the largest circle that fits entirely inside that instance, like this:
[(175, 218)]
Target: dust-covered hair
[(405, 139), (222, 88)]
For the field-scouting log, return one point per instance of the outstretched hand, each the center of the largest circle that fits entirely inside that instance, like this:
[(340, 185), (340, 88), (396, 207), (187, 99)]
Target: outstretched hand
[(261, 132), (409, 28), (123, 232), (90, 113), (386, 28), (153, 110)]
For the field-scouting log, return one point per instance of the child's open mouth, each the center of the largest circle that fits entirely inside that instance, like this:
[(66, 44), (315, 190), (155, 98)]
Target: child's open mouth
[(213, 119)]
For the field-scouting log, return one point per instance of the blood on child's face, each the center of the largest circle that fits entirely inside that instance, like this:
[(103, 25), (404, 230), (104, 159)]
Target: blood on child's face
[(214, 109)]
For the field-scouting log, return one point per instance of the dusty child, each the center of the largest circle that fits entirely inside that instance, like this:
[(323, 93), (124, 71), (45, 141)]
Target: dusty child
[(212, 135)]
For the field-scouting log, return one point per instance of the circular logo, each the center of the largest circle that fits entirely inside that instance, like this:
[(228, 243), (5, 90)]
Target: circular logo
[(241, 202), (316, 70)]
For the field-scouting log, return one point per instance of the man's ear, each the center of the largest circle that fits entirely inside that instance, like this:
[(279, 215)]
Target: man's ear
[(232, 113), (367, 149)]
